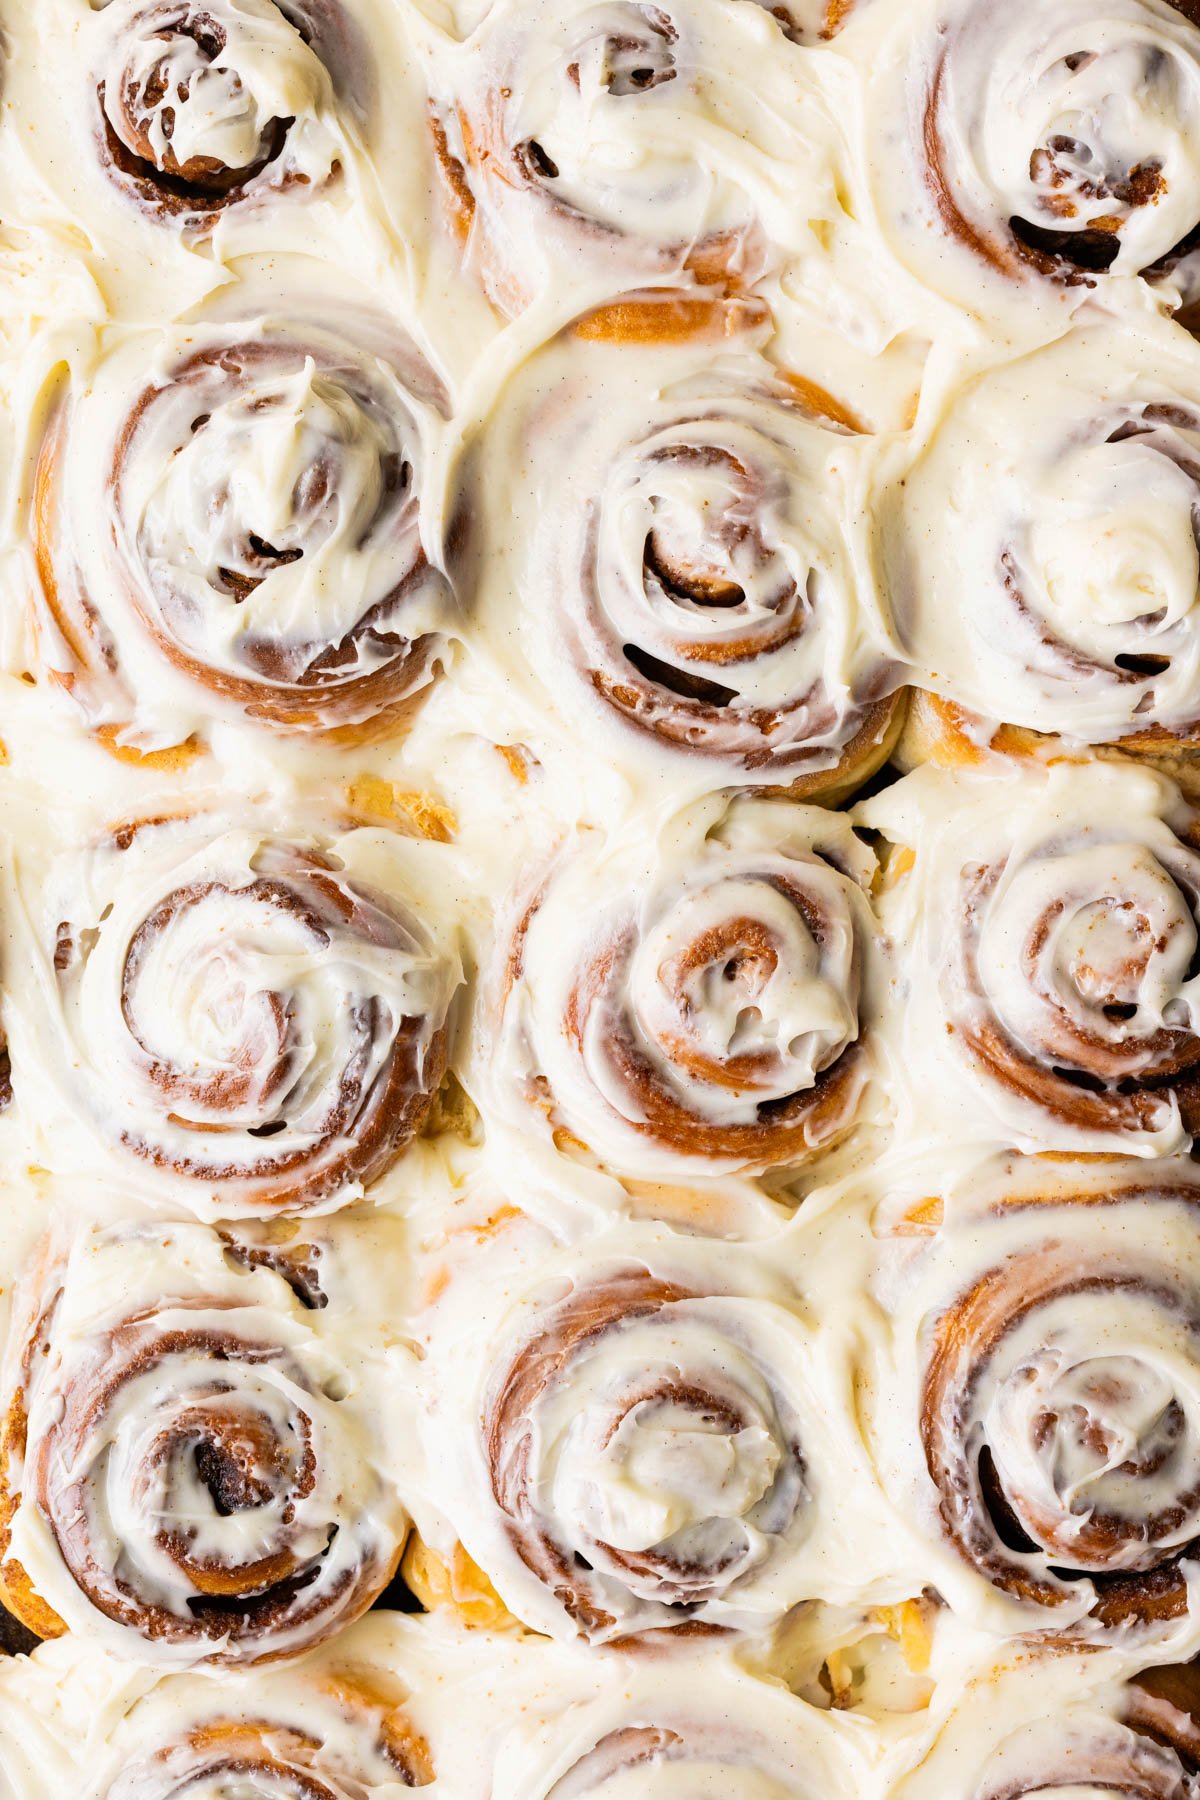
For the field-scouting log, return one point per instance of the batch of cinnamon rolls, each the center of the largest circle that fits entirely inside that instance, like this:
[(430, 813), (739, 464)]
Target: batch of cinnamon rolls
[(600, 899)]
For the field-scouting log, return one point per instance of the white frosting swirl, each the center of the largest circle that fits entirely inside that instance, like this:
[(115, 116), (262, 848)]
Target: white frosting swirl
[(1060, 909), (1016, 152), (194, 1478), (684, 525), (236, 1014), (1061, 493), (604, 141), (637, 1440), (246, 535), (1043, 1401), (692, 1005), (1032, 1732), (202, 106)]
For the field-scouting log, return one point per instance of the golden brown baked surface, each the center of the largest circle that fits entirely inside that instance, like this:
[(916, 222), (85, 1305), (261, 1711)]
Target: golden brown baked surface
[(599, 899)]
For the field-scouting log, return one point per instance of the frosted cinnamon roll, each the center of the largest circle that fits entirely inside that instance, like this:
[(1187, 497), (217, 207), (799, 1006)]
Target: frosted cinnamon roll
[(1060, 911), (701, 1728), (1059, 495), (1051, 144), (632, 1444), (1057, 1727), (188, 1461), (1048, 1392), (683, 543), (329, 1734), (693, 1006), (254, 1023), (613, 144), (232, 522), (203, 105)]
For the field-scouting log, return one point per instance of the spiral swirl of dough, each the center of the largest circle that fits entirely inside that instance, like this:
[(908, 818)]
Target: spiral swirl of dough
[(1075, 536), (1045, 924), (238, 1013), (1028, 1729), (1059, 1412), (201, 107), (1062, 141), (688, 560), (608, 136), (1073, 979), (699, 1012), (188, 1472), (647, 1760), (637, 1441), (247, 534), (693, 1726), (332, 1735)]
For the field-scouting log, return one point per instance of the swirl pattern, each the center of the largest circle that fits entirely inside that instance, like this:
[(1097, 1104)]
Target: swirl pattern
[(1077, 542), (202, 107), (639, 1444), (1062, 144), (1060, 1405), (186, 1469), (658, 1738), (335, 1737), (246, 535), (702, 586), (1062, 917), (1029, 1732), (705, 1020), (238, 1014), (600, 898), (575, 140), (643, 1759)]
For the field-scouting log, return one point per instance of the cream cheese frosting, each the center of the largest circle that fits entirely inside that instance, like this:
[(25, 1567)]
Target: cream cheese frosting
[(479, 484)]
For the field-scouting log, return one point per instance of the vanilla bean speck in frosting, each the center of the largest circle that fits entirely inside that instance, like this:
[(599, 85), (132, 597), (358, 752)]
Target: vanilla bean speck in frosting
[(599, 899)]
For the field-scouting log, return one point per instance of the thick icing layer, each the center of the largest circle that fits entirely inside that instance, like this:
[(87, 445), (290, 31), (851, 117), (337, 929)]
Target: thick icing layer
[(188, 1463), (712, 1017), (453, 459), (232, 1015)]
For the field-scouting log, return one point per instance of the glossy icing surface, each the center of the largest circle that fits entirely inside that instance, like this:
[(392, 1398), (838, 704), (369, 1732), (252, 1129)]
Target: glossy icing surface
[(494, 1084)]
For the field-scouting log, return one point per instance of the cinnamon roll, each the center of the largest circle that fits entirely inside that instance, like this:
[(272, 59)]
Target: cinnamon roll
[(188, 1467), (1049, 144), (1059, 910), (683, 542), (693, 1006), (332, 1734), (707, 1729), (610, 144), (1054, 1727), (633, 1444), (231, 521), (248, 1020), (204, 105), (1050, 1341), (1059, 493)]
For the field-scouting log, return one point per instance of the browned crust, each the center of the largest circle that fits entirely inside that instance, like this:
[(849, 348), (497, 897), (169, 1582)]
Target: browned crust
[(966, 1335), (543, 1360), (382, 703), (942, 732)]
